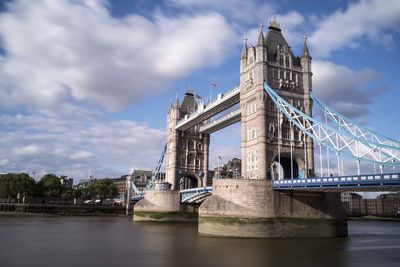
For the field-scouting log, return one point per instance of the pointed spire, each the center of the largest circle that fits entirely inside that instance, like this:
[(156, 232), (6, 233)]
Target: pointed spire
[(177, 100), (261, 36), (244, 51), (304, 51)]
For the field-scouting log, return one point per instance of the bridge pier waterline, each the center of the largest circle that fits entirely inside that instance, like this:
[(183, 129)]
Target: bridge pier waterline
[(251, 208), (163, 206)]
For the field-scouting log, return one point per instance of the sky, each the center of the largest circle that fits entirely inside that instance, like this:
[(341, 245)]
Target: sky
[(85, 85)]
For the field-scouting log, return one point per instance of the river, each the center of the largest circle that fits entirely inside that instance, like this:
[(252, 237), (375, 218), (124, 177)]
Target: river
[(117, 241)]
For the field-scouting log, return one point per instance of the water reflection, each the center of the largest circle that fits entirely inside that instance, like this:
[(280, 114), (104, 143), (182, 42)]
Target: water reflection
[(77, 241)]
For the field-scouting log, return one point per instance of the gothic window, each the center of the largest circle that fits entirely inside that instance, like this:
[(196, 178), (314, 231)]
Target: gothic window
[(252, 108), (181, 144), (190, 159), (285, 133), (251, 134), (191, 145), (287, 61), (199, 146), (197, 161), (281, 74), (252, 161), (281, 60)]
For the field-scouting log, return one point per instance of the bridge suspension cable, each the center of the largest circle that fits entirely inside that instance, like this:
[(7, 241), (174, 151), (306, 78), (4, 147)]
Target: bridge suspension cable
[(340, 141), (354, 128)]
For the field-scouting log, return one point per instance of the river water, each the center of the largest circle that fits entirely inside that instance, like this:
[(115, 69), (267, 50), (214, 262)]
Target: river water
[(117, 241)]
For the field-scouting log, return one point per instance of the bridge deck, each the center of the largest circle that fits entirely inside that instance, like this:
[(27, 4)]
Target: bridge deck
[(370, 182)]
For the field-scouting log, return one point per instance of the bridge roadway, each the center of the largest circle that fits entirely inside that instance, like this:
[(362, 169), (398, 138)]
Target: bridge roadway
[(350, 183), (354, 183), (222, 102)]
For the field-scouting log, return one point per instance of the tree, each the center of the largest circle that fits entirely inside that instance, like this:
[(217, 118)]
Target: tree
[(50, 186), (16, 185), (104, 188)]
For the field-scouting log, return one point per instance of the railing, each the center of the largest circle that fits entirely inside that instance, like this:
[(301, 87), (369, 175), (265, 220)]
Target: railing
[(220, 98), (189, 193), (340, 181)]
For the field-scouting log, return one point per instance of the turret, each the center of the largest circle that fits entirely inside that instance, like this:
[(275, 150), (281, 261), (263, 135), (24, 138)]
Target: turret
[(261, 50), (305, 63), (243, 57)]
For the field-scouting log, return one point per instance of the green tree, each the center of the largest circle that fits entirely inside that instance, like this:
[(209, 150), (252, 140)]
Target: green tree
[(104, 188), (50, 186), (16, 185)]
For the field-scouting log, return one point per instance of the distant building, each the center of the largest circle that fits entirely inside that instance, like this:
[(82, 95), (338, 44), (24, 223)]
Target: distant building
[(120, 183), (67, 182), (383, 205), (232, 169), (142, 177), (351, 202)]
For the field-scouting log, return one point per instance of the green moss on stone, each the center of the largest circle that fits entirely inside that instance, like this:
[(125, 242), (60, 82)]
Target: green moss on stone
[(225, 220), (165, 215)]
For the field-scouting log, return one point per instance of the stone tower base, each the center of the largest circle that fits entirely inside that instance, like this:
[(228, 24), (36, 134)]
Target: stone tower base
[(250, 208), (163, 206)]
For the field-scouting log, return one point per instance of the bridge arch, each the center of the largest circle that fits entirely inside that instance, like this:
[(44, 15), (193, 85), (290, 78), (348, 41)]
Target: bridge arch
[(189, 180), (283, 170)]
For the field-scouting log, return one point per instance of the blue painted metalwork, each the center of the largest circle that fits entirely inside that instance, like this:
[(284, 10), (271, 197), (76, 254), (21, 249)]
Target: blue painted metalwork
[(336, 139), (194, 194), (378, 182), (353, 127)]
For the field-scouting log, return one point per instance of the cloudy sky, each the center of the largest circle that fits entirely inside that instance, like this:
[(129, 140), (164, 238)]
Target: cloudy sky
[(85, 85)]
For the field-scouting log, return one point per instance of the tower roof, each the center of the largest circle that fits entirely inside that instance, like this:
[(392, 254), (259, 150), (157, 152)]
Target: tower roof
[(189, 104), (275, 38)]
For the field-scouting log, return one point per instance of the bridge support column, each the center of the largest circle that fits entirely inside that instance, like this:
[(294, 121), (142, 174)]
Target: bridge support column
[(163, 206), (251, 208)]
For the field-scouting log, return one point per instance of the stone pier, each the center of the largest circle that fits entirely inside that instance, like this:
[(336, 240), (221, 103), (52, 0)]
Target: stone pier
[(162, 206), (250, 208)]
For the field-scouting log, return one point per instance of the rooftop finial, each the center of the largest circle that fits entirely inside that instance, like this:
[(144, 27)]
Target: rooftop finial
[(274, 25)]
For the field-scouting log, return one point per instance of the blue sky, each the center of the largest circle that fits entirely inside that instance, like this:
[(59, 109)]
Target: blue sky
[(86, 84)]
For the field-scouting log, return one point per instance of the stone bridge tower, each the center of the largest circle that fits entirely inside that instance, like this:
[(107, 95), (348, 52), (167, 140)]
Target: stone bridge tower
[(272, 61), (187, 151)]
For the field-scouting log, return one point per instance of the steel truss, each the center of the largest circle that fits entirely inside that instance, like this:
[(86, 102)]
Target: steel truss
[(355, 129), (343, 142)]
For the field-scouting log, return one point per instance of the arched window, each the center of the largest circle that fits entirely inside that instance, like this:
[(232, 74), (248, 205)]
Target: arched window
[(191, 145)]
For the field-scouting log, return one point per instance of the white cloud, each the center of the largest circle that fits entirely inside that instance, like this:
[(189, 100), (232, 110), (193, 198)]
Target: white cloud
[(372, 19), (245, 14), (57, 50), (80, 155), (28, 150), (42, 144), (344, 88)]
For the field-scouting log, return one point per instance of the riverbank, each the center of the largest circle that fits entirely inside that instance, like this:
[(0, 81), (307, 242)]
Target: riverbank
[(65, 210)]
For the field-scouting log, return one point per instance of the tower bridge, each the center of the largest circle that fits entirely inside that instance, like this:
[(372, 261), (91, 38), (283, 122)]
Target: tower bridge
[(279, 193)]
